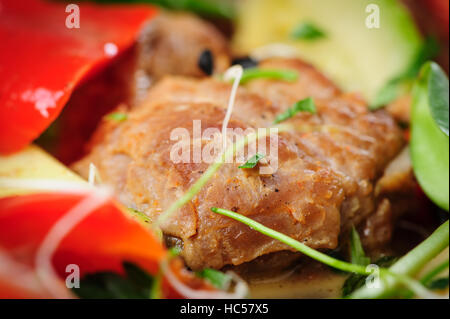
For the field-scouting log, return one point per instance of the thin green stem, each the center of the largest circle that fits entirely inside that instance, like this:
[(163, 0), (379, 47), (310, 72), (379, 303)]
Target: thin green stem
[(434, 272), (417, 287), (308, 251)]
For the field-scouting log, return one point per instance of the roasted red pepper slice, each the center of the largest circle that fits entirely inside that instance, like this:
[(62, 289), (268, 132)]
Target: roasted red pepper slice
[(101, 241), (42, 61)]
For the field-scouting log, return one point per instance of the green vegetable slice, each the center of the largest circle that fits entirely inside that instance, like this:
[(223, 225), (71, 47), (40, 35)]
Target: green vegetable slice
[(429, 143), (438, 96)]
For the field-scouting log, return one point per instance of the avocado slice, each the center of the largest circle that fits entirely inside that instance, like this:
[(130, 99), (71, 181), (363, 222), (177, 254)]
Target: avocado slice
[(356, 57)]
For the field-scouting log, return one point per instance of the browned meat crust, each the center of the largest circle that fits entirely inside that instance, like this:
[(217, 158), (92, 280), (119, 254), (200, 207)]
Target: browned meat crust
[(172, 43), (328, 164)]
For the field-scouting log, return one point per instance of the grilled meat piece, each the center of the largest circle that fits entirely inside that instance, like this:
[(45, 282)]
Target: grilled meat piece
[(172, 44), (327, 164)]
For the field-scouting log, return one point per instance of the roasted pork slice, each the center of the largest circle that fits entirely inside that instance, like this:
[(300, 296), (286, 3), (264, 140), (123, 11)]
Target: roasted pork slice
[(327, 165), (178, 44)]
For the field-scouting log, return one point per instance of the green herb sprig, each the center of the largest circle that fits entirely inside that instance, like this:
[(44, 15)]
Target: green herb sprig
[(357, 254), (305, 105), (253, 161), (217, 278)]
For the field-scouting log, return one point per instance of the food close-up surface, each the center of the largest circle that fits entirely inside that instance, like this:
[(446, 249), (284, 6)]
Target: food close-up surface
[(214, 149)]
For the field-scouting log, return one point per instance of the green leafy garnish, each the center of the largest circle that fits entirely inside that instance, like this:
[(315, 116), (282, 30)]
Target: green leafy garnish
[(253, 161), (306, 105), (307, 31), (117, 116), (439, 284), (403, 82), (273, 74), (429, 140), (357, 255), (135, 284), (356, 281), (217, 278)]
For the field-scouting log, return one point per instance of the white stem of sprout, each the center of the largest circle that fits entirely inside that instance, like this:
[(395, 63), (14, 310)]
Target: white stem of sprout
[(233, 73), (18, 274), (94, 175), (43, 261)]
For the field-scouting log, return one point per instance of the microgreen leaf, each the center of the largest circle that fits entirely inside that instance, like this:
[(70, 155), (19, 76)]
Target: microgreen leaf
[(429, 143), (307, 31), (117, 116), (273, 74), (306, 105), (253, 161), (357, 255), (356, 281), (217, 278)]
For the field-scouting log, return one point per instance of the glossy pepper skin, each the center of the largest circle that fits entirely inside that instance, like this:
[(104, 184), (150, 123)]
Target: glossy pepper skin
[(100, 242), (42, 61)]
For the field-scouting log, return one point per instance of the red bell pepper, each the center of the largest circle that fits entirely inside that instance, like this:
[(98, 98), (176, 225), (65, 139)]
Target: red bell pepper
[(100, 242), (42, 61)]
